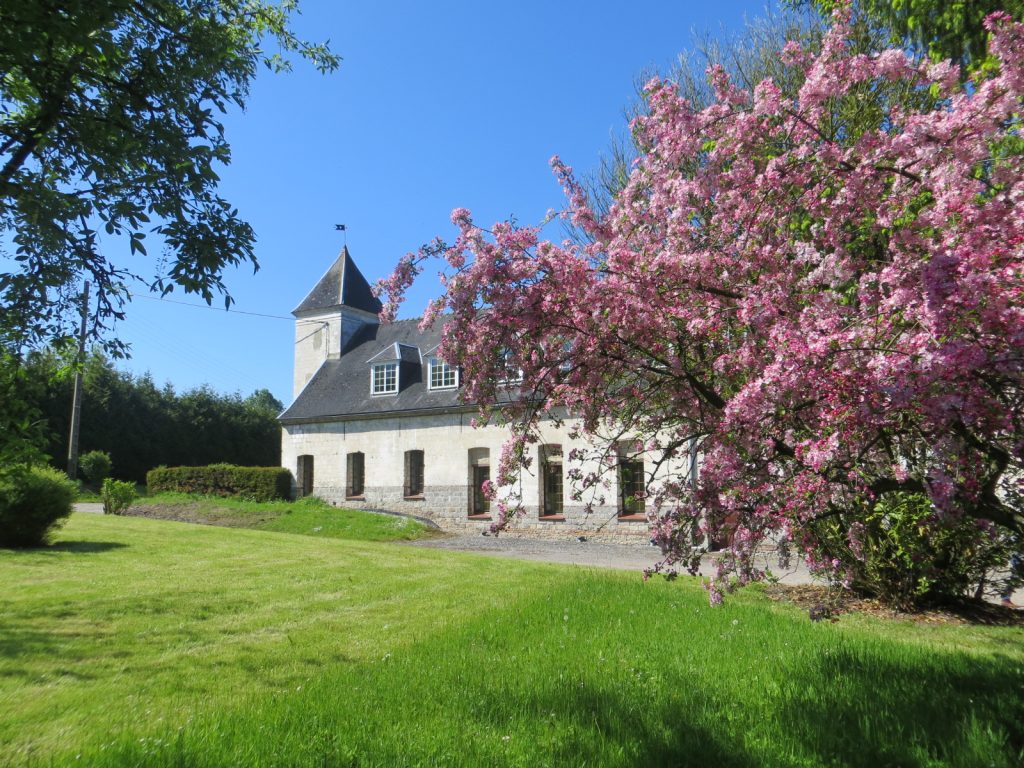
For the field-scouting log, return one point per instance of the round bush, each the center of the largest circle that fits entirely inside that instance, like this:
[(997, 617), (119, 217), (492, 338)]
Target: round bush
[(117, 496), (34, 502), (95, 465)]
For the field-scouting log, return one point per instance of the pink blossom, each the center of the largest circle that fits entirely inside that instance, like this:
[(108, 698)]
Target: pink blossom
[(831, 317)]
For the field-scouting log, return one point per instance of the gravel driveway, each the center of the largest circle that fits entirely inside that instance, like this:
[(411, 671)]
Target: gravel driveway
[(599, 554)]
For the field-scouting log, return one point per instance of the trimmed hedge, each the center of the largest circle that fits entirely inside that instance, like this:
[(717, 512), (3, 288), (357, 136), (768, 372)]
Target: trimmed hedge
[(255, 483)]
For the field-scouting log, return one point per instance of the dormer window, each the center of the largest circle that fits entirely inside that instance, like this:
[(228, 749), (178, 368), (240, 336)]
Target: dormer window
[(384, 379), (442, 375), (511, 373)]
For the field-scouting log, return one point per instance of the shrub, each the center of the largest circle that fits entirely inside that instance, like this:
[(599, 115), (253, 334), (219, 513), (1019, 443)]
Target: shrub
[(256, 483), (903, 552), (95, 466), (117, 496), (34, 501)]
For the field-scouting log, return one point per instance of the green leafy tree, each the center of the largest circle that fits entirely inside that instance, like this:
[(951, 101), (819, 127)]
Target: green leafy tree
[(111, 125), (110, 121), (944, 29), (22, 429)]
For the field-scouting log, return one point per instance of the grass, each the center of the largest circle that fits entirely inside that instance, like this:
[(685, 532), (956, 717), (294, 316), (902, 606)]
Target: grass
[(309, 516), (143, 642)]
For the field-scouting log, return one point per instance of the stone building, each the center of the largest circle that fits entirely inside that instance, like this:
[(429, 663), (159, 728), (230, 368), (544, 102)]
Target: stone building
[(377, 422)]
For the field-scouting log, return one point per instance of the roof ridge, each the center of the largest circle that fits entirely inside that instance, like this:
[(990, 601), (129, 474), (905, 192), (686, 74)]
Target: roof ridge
[(418, 319)]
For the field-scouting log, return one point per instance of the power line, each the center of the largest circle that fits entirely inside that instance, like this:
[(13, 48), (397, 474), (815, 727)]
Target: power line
[(207, 306)]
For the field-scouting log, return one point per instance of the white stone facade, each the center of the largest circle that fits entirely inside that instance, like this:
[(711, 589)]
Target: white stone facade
[(451, 449), (415, 451)]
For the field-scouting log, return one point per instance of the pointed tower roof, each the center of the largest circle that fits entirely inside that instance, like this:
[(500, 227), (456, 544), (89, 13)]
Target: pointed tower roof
[(343, 284)]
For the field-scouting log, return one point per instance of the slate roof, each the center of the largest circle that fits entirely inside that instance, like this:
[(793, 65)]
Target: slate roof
[(344, 284), (341, 388)]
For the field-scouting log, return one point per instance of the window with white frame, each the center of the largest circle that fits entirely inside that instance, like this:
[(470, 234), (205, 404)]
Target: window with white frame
[(384, 380), (442, 375), (511, 373)]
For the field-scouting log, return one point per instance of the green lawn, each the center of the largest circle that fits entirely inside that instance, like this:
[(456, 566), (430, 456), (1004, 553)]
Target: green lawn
[(310, 516), (136, 642)]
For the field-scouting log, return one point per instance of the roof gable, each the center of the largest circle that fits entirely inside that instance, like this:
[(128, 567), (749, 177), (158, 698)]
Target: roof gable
[(406, 353), (342, 285)]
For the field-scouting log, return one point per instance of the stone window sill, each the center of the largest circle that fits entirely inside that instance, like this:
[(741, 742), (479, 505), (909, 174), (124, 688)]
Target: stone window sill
[(360, 497), (552, 518), (632, 518), (414, 498), (479, 517)]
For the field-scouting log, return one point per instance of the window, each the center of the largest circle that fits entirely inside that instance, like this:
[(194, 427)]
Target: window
[(413, 473), (355, 475), (631, 483), (481, 504), (385, 379), (442, 375), (566, 363), (510, 372), (304, 475), (479, 473), (551, 481)]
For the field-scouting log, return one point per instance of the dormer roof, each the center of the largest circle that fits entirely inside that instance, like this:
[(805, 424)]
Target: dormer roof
[(342, 285), (406, 353)]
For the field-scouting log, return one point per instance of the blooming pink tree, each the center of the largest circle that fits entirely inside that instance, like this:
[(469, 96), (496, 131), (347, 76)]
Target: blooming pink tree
[(829, 308)]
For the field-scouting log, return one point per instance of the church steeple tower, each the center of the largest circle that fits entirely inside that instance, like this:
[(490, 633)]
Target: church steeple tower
[(342, 285), (339, 305)]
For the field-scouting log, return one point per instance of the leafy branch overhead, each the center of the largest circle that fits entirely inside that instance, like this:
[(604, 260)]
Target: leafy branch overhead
[(111, 129)]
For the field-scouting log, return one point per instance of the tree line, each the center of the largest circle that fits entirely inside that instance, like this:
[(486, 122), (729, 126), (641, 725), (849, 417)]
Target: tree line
[(142, 425)]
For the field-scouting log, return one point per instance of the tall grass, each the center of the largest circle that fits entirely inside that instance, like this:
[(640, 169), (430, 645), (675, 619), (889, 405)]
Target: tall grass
[(137, 642)]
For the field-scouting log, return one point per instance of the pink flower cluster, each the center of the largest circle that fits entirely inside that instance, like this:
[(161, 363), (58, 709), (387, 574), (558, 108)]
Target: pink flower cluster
[(829, 315)]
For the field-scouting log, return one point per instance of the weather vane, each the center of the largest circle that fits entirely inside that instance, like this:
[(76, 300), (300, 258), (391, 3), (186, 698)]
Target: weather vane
[(341, 228)]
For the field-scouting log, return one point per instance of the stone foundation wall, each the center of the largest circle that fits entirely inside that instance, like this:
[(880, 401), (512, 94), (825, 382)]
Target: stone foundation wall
[(448, 508)]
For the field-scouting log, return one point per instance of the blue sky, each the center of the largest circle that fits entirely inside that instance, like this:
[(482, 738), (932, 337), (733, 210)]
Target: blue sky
[(436, 105)]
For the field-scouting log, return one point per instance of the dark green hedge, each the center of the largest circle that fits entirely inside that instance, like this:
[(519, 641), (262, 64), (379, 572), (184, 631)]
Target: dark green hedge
[(256, 483)]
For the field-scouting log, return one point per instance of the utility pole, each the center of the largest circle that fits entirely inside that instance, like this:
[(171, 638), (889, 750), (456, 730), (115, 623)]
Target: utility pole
[(76, 402)]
